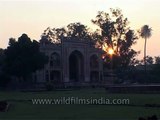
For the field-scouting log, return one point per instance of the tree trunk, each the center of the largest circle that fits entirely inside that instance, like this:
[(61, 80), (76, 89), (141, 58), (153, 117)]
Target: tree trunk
[(145, 67)]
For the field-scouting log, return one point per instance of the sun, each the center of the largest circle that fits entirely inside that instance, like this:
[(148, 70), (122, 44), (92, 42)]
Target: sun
[(110, 51)]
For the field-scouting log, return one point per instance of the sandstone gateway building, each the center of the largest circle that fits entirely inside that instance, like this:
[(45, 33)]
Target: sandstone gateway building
[(71, 62)]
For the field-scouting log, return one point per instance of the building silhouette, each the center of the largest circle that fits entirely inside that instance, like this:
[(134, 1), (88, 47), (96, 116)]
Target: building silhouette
[(71, 61)]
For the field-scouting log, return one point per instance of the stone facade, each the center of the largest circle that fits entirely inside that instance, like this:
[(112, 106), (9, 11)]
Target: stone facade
[(72, 61)]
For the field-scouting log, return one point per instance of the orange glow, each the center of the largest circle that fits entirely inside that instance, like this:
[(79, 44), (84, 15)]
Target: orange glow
[(107, 49), (110, 51)]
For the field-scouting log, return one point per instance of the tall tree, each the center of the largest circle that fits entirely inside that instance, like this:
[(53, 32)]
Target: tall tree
[(23, 57), (116, 35), (145, 33)]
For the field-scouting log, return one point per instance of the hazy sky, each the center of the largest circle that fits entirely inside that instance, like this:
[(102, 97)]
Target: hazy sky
[(34, 16)]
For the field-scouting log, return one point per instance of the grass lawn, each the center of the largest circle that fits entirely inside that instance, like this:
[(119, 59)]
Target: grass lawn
[(21, 108)]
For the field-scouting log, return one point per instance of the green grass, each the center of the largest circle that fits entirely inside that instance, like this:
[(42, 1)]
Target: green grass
[(26, 110)]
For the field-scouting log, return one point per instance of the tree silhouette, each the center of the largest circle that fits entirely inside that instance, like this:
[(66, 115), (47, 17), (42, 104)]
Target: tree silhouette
[(4, 78), (23, 57), (157, 60), (145, 33), (1, 56), (54, 35), (72, 31), (149, 60), (116, 34), (77, 30)]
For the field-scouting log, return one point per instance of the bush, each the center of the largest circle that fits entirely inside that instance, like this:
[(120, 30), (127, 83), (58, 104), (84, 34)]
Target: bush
[(153, 117), (3, 106), (4, 80)]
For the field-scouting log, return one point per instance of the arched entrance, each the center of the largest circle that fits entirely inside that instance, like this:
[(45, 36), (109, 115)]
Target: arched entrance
[(76, 66)]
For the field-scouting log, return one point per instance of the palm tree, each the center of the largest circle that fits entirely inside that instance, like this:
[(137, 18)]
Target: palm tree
[(145, 33)]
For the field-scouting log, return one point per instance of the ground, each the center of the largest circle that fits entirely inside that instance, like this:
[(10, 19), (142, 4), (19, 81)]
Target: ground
[(21, 108)]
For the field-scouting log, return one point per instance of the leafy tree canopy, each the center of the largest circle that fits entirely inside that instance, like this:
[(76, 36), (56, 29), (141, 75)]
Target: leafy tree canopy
[(116, 35), (23, 57), (72, 31)]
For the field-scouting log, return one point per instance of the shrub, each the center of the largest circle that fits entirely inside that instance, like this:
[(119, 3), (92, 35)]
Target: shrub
[(3, 106)]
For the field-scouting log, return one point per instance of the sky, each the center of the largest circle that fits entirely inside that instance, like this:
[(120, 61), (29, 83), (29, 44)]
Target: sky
[(34, 16)]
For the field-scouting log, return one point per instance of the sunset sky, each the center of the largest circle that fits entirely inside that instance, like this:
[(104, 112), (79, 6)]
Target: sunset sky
[(34, 16)]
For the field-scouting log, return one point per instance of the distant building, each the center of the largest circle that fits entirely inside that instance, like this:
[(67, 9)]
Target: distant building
[(72, 61)]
